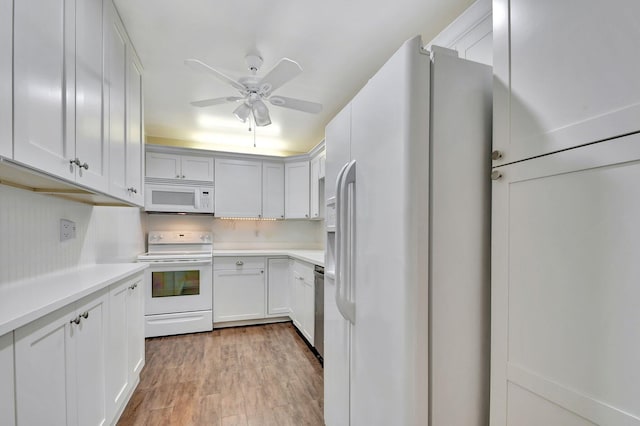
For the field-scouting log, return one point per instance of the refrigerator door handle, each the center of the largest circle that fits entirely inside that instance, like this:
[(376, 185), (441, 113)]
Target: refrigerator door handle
[(346, 216), (339, 236)]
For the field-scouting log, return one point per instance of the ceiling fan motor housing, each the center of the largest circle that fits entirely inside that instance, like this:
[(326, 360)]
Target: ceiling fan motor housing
[(254, 62)]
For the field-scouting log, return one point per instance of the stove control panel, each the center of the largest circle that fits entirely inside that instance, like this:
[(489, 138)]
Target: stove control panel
[(173, 237)]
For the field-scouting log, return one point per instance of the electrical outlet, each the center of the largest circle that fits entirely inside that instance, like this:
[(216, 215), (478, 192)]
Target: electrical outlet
[(67, 230)]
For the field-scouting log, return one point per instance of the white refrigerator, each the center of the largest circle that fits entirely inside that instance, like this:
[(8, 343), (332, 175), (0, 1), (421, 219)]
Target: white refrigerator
[(407, 259)]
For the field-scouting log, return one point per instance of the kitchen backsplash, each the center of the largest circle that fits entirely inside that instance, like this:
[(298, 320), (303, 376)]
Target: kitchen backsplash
[(245, 234), (30, 234)]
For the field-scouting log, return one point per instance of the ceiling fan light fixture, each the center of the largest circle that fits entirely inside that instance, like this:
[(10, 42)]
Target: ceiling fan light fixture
[(242, 112), (260, 113)]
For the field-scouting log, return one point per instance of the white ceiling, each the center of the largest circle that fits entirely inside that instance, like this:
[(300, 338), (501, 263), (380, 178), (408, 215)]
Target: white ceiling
[(339, 44)]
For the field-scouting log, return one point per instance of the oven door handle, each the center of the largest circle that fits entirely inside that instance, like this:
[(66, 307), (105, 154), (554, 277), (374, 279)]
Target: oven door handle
[(177, 262)]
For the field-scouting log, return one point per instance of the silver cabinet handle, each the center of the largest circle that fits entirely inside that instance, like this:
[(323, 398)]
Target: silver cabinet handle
[(76, 320), (85, 166), (306, 215), (496, 155), (239, 263), (495, 175), (182, 176), (85, 314), (133, 286), (177, 176), (78, 163), (262, 271)]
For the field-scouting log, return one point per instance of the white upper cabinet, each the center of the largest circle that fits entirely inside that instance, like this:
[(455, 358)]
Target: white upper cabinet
[(316, 188), (238, 190), (566, 74), (273, 190), (6, 78), (58, 89), (135, 130), (172, 166), (296, 190), (43, 51), (115, 100), (90, 147)]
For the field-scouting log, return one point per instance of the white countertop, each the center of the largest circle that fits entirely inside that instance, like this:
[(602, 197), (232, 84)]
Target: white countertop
[(24, 301), (312, 256)]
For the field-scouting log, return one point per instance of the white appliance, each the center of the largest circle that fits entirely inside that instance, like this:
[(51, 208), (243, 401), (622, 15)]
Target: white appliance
[(178, 283), (407, 271), (177, 198)]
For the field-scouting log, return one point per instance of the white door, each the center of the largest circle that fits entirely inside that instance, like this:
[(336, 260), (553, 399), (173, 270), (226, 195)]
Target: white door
[(44, 85), (279, 290), (238, 188), (115, 97), (91, 147), (7, 389), (6, 78), (272, 190), (238, 295), (135, 327), (550, 93), (166, 166), (565, 320), (45, 370), (90, 339), (314, 188), (197, 168), (117, 379), (135, 142), (296, 190)]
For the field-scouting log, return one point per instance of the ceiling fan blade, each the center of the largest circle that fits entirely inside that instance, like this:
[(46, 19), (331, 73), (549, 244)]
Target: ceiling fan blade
[(297, 104), (215, 101), (201, 66), (284, 71)]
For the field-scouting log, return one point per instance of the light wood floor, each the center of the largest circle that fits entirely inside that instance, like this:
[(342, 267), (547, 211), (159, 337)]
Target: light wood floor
[(260, 375)]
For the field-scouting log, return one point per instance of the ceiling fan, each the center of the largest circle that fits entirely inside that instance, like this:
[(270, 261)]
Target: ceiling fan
[(255, 90)]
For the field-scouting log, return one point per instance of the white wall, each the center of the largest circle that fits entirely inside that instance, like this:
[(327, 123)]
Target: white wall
[(245, 234), (30, 235)]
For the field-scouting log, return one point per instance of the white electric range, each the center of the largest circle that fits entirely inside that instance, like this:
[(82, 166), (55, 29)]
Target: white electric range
[(178, 283)]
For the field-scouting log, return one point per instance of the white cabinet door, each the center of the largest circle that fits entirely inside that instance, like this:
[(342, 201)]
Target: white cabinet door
[(165, 166), (118, 385), (135, 327), (273, 190), (90, 338), (238, 190), (134, 125), (549, 92), (115, 98), (296, 190), (45, 370), (303, 299), (314, 189), (238, 295), (279, 288), (565, 239), (297, 297), (7, 390), (44, 85), (90, 145), (197, 168), (6, 78), (308, 320)]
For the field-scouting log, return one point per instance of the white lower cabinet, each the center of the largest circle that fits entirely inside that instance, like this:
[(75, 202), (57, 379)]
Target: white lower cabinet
[(278, 287), (60, 365), (7, 391), (303, 298), (125, 348), (238, 289)]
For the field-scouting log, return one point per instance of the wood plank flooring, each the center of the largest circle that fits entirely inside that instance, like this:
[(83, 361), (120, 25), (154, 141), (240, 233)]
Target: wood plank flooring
[(259, 375)]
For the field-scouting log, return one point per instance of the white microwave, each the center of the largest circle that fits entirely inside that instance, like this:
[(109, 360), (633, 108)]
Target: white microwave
[(178, 198)]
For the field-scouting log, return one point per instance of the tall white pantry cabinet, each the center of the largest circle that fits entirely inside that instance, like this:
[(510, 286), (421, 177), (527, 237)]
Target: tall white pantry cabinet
[(566, 203)]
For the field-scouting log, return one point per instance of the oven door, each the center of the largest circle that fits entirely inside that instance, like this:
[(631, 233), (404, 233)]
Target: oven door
[(178, 286)]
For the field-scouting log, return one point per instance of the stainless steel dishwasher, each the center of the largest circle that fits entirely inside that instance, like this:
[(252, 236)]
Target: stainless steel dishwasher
[(318, 340)]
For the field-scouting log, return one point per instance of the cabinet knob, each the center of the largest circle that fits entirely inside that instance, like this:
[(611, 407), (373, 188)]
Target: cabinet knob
[(182, 176), (261, 271), (496, 155), (85, 166), (76, 320), (306, 215), (495, 175), (85, 314), (239, 263), (177, 176)]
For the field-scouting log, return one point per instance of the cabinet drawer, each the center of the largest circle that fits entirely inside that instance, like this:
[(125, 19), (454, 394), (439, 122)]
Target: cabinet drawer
[(304, 270), (238, 262)]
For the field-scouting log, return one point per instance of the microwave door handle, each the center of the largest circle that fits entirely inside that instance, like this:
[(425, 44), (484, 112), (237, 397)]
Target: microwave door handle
[(196, 198)]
